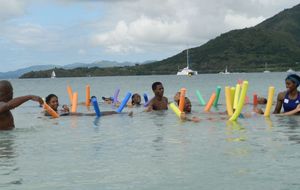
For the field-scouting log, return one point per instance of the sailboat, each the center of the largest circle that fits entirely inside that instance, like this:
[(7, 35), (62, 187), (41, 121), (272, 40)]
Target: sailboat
[(187, 71), (226, 71), (266, 66), (53, 75)]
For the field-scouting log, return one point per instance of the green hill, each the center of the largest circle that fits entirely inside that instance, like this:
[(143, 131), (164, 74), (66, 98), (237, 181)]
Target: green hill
[(275, 41)]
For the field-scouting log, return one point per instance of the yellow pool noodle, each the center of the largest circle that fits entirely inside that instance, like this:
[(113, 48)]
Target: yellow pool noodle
[(228, 101), (232, 92), (69, 89), (269, 101), (182, 99), (74, 102), (210, 102), (240, 105), (88, 95), (175, 109), (236, 96), (53, 113)]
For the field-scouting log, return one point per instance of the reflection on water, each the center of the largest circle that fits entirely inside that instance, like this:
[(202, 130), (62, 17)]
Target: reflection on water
[(235, 131), (8, 166), (291, 127)]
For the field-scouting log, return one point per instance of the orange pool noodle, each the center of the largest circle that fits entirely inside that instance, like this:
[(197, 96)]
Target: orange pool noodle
[(69, 89), (182, 99), (210, 102), (88, 95), (53, 113), (74, 102), (255, 99)]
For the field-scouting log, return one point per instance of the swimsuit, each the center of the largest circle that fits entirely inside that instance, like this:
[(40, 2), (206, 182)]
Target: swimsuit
[(289, 104)]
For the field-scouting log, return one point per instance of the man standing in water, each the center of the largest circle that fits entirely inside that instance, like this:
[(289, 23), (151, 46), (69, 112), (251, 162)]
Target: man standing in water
[(159, 102), (7, 102)]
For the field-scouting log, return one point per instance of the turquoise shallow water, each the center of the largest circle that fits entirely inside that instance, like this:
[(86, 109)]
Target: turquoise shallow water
[(149, 150)]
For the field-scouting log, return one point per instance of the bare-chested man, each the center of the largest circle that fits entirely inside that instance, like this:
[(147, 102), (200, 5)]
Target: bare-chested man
[(159, 102), (7, 102)]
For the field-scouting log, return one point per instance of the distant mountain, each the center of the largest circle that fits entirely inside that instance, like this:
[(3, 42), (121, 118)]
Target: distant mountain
[(276, 41), (19, 72), (99, 64)]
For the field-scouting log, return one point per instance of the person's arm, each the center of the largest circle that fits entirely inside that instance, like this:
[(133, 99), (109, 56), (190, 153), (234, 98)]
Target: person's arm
[(280, 98), (15, 102), (293, 112), (149, 107)]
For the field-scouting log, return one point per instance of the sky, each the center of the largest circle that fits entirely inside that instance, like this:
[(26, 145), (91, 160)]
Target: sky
[(61, 32)]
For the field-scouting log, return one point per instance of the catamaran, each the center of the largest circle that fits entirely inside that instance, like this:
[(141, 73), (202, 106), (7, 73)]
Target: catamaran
[(187, 70)]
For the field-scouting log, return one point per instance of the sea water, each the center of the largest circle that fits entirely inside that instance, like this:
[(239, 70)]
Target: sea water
[(149, 150)]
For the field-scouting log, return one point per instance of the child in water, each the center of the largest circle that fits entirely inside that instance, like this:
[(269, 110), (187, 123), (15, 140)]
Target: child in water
[(7, 103)]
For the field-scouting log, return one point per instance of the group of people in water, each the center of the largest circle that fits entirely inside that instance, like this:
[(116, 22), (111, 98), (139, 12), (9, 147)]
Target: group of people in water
[(289, 100)]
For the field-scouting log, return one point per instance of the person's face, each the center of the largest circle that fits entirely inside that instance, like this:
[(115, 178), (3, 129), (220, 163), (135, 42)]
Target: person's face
[(187, 106), (137, 99), (159, 91), (53, 103), (177, 97), (290, 85)]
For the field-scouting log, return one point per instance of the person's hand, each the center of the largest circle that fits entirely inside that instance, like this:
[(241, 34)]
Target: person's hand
[(37, 99), (298, 107), (183, 116), (65, 108)]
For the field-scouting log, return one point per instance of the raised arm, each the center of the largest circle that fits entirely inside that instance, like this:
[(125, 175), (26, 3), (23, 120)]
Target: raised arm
[(15, 102)]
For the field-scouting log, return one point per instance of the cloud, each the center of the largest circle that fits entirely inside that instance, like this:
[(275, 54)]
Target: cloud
[(139, 26), (241, 21), (12, 8)]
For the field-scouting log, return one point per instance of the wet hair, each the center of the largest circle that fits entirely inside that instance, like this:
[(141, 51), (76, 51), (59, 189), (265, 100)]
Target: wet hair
[(155, 84), (294, 78), (48, 98), (134, 95)]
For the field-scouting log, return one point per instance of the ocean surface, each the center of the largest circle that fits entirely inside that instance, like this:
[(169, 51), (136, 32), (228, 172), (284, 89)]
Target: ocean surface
[(149, 150)]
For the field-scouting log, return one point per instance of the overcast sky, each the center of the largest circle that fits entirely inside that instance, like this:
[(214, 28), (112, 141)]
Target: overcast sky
[(39, 32)]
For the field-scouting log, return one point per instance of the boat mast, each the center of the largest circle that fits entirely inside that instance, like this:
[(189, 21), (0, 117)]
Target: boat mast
[(187, 58)]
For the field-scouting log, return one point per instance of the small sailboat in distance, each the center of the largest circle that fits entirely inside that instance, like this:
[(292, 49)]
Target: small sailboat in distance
[(226, 71), (266, 68), (53, 75)]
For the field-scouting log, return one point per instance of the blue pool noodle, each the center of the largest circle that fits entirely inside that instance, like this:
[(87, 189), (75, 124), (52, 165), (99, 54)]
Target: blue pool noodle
[(145, 98), (96, 107), (124, 102)]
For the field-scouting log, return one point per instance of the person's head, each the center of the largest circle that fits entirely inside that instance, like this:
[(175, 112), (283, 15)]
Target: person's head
[(158, 89), (52, 101), (136, 99), (177, 97), (187, 105), (261, 100), (292, 82), (6, 91)]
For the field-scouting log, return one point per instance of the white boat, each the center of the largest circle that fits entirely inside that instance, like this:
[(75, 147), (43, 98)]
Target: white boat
[(290, 71), (266, 70), (53, 75), (226, 71), (187, 71)]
